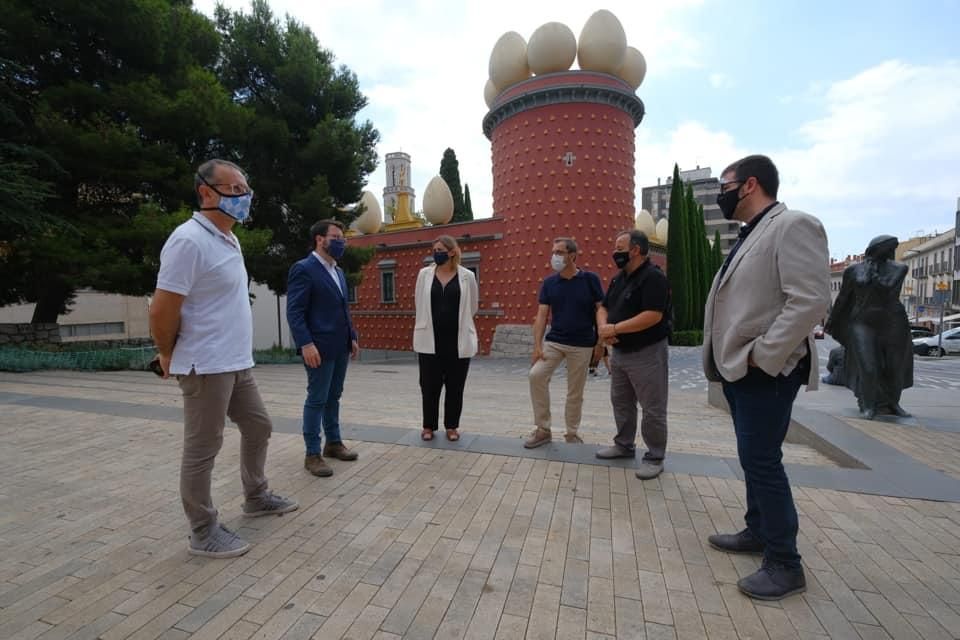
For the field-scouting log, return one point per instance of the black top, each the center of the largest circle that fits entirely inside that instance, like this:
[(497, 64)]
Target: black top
[(573, 307), (445, 308), (646, 289)]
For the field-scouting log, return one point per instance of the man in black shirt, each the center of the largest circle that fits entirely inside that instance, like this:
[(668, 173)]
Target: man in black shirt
[(634, 318)]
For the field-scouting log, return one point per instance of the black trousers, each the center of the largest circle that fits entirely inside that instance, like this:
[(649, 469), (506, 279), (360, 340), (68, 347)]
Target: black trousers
[(437, 372)]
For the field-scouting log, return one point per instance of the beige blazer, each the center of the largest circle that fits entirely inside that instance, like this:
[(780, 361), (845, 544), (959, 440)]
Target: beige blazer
[(423, 341), (766, 305)]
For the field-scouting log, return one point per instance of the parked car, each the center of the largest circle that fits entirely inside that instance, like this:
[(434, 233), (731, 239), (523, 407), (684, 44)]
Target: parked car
[(919, 332), (933, 345)]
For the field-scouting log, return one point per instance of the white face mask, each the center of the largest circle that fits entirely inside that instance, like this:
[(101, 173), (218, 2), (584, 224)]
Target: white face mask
[(558, 263)]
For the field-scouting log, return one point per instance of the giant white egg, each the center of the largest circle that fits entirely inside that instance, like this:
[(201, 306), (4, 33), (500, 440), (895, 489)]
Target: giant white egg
[(490, 93), (603, 43), (663, 228), (508, 60), (644, 222), (372, 217), (634, 68), (437, 201), (552, 47)]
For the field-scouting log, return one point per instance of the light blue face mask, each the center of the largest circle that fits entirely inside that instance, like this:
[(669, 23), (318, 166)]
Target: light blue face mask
[(235, 206)]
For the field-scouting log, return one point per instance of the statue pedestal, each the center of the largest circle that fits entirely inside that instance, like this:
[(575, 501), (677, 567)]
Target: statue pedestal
[(402, 218)]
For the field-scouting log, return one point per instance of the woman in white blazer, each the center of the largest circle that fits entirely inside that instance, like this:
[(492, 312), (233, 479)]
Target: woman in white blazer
[(444, 335)]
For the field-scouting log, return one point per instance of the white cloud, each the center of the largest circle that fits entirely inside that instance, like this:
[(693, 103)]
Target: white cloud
[(877, 154), (423, 64), (720, 81)]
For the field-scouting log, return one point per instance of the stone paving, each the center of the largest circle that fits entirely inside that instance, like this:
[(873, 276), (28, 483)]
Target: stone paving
[(417, 542)]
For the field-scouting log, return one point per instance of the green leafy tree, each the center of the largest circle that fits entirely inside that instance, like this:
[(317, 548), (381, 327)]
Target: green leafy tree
[(450, 172), (300, 141), (678, 257), (467, 205), (116, 103)]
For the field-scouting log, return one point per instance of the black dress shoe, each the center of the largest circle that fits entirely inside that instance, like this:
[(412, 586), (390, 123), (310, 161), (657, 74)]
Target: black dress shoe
[(742, 542), (773, 581)]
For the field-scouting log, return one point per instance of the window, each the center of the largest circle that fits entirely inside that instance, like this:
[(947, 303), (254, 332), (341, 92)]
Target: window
[(92, 329), (471, 261), (388, 280), (387, 292), (351, 293)]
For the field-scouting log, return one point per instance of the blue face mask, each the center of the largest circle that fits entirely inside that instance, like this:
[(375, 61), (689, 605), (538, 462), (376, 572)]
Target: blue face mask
[(440, 257), (336, 247), (235, 206)]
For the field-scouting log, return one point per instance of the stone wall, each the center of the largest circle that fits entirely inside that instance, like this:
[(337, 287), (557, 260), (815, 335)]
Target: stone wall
[(512, 340), (19, 333)]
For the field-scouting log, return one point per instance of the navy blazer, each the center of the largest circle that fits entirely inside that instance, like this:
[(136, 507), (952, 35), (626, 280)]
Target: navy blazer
[(317, 309)]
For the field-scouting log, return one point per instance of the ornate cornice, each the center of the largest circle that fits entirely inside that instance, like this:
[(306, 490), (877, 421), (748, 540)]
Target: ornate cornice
[(561, 94)]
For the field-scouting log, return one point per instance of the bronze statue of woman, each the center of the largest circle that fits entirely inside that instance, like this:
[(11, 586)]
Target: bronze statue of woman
[(871, 323)]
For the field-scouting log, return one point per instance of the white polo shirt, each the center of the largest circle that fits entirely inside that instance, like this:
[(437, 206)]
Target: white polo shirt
[(216, 323)]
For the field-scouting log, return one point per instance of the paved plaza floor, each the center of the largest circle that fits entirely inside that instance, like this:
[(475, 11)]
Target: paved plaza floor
[(478, 539)]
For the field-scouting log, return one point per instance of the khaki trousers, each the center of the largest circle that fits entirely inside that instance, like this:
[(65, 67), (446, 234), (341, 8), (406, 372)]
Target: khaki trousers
[(207, 400), (578, 360)]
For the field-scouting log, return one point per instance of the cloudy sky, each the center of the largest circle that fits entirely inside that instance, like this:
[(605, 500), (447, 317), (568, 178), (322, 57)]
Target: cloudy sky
[(857, 102)]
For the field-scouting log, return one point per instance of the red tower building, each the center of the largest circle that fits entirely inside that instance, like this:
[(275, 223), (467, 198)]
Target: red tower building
[(563, 165)]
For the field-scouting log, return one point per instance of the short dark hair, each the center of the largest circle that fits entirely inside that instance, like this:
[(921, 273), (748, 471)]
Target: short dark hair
[(569, 243), (637, 239), (206, 170), (759, 167), (320, 228)]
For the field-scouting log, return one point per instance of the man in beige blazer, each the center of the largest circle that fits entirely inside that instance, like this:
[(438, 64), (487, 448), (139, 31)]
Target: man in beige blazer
[(758, 342)]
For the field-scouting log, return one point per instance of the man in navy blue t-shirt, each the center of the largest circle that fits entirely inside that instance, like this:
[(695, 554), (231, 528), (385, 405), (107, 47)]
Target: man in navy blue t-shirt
[(569, 298)]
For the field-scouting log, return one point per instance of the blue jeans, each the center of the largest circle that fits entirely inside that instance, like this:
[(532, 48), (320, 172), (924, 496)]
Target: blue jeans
[(322, 406), (760, 406)]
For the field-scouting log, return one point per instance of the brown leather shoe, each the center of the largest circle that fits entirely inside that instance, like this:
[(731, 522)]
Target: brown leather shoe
[(317, 466), (339, 451)]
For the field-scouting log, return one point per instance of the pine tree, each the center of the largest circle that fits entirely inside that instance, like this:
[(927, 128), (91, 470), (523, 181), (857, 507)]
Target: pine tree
[(677, 256), (450, 172), (467, 205)]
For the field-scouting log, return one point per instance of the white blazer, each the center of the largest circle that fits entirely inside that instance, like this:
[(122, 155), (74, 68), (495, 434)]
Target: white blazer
[(423, 341)]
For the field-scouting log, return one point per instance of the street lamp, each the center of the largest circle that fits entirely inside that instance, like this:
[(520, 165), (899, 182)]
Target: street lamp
[(942, 287)]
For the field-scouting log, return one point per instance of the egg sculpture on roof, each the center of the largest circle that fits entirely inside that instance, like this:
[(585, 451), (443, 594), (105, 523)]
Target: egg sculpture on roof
[(603, 43), (633, 69), (437, 201), (372, 217), (552, 47), (663, 227), (490, 93), (508, 60), (644, 222)]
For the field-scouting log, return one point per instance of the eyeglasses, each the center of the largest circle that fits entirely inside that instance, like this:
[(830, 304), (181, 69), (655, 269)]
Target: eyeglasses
[(234, 189)]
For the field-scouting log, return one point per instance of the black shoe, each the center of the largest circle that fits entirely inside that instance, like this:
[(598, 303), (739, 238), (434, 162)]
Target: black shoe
[(742, 542), (773, 581)]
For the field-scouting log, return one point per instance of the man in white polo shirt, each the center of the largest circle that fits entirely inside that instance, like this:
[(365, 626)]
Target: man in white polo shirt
[(202, 325)]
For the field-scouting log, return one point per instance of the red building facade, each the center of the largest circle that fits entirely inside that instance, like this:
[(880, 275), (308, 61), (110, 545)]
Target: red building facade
[(563, 165)]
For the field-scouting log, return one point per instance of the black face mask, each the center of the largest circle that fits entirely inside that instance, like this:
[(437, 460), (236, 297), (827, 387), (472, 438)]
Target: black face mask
[(621, 259), (728, 201)]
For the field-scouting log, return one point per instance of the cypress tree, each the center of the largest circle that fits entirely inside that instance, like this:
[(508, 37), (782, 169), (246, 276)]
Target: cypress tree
[(695, 259), (717, 254), (450, 172), (467, 205), (677, 256)]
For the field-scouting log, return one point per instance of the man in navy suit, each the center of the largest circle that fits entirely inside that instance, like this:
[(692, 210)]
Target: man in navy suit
[(319, 318)]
